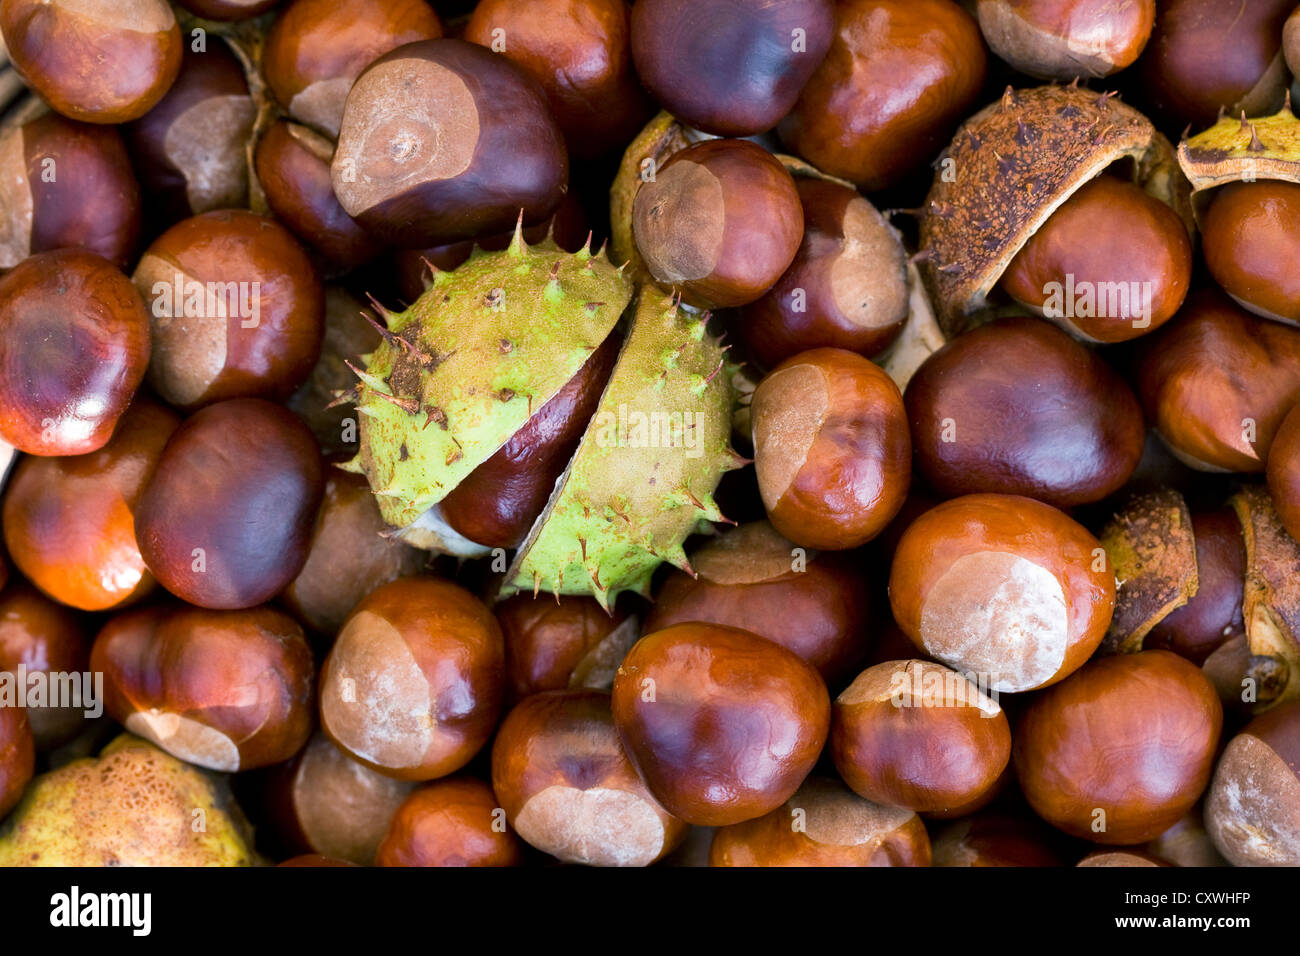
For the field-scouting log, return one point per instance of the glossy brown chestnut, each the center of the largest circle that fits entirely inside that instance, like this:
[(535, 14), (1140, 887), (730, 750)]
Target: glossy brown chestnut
[(898, 77), (1252, 810), (17, 756), (441, 141), (317, 48), (1018, 407), (568, 788), (1110, 264), (720, 222), (413, 685), (752, 578), (99, 61), (699, 708), (226, 690), (1250, 234), (847, 287), (726, 67), (236, 309), (225, 520), (1216, 383), (824, 824), (918, 735), (994, 839), (66, 184), (1283, 472), (227, 9), (69, 523), (1065, 39), (1119, 751), (1004, 588), (43, 637), (453, 822), (74, 345), (831, 448), (553, 643)]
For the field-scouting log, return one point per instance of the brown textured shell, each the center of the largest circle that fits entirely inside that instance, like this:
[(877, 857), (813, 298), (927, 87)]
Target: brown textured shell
[(1235, 150), (1015, 162)]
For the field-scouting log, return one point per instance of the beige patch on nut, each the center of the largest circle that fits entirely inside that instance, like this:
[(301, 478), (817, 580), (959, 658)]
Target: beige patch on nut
[(144, 16), (15, 199), (750, 554), (320, 104), (788, 409), (678, 222), (598, 827), (189, 350), (185, 738), (868, 278), (1250, 811), (200, 143), (916, 683), (836, 816)]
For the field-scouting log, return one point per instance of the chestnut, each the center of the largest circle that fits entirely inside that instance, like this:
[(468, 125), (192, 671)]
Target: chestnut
[(568, 788), (1120, 750), (17, 756), (1110, 264), (225, 520), (226, 690), (66, 184), (701, 708), (898, 77), (993, 839), (43, 637), (1283, 472), (1018, 407), (1252, 810), (728, 68), (69, 523), (413, 685), (442, 140), (236, 309), (455, 821), (847, 287), (74, 345), (1250, 232), (1186, 843), (918, 735), (1121, 857), (1067, 39), (1291, 42), (97, 62), (317, 48), (831, 448), (752, 578), (719, 222), (1002, 587), (824, 824), (553, 643), (579, 53)]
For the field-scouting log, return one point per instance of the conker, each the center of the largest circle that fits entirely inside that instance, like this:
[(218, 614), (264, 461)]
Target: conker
[(1065, 39), (994, 839), (1283, 472), (456, 821), (1250, 233), (17, 756), (553, 643), (46, 638)]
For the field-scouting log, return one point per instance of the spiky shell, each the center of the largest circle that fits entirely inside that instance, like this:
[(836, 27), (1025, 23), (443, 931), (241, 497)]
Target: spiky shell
[(1241, 149)]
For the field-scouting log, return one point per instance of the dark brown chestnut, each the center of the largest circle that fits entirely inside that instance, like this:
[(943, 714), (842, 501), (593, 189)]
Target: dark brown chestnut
[(1250, 233), (994, 839), (1283, 472), (553, 643), (45, 638), (456, 821), (17, 756), (1067, 39)]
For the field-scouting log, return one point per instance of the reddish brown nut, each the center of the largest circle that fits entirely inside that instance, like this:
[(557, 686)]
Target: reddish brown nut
[(699, 707), (44, 638), (1064, 39), (831, 448), (349, 556), (236, 309), (994, 839), (66, 184), (189, 149), (225, 520), (1283, 472), (1128, 858), (452, 822), (17, 756), (824, 824), (74, 345), (227, 9), (226, 690), (898, 77), (413, 685), (317, 49), (578, 51), (441, 141), (1110, 264), (752, 578), (1252, 810), (728, 68), (100, 61), (69, 523), (568, 788), (1249, 234), (1018, 407), (1121, 750), (918, 735), (553, 643), (1003, 587), (1216, 383)]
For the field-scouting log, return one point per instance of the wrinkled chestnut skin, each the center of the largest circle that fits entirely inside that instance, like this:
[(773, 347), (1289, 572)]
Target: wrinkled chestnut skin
[(69, 522), (1018, 407), (17, 756), (1283, 473), (994, 839), (44, 636), (721, 696), (1064, 39), (898, 77), (497, 503), (548, 637), (1132, 735), (449, 823), (240, 480), (1250, 235), (74, 345), (1211, 369), (1212, 616), (728, 67)]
